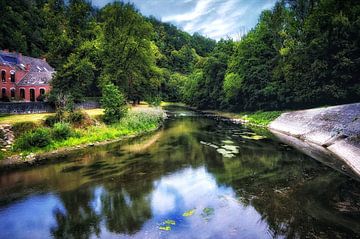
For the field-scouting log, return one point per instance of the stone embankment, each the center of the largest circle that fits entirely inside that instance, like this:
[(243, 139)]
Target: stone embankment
[(334, 131), (6, 137)]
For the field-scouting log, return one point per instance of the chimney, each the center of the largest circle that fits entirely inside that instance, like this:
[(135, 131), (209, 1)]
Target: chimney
[(44, 59), (20, 57), (27, 67)]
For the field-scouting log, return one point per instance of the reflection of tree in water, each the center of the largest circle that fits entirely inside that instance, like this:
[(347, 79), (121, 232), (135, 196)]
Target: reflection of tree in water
[(124, 213), (297, 196), (79, 219)]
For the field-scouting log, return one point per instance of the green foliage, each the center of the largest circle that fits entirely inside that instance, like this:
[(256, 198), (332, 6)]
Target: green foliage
[(154, 100), (61, 131), (113, 102), (40, 137), (301, 53)]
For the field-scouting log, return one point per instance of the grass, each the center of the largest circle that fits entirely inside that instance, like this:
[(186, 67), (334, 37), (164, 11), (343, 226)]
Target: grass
[(138, 120), (11, 119), (259, 118), (263, 118)]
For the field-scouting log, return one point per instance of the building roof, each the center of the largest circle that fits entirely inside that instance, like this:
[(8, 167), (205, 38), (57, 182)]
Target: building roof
[(40, 72), (36, 78)]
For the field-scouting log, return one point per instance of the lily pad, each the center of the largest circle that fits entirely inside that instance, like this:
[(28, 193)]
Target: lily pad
[(189, 213), (165, 228), (208, 211), (170, 222), (227, 142), (209, 144), (254, 137), (232, 148)]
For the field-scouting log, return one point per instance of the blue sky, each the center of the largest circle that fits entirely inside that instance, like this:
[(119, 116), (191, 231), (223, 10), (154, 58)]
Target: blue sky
[(212, 18)]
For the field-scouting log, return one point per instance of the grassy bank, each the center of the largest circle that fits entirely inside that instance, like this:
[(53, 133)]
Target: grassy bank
[(138, 120), (259, 118)]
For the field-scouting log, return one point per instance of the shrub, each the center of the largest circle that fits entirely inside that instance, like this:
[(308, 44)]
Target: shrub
[(40, 138), (114, 103), (76, 117), (23, 127), (61, 131), (51, 120)]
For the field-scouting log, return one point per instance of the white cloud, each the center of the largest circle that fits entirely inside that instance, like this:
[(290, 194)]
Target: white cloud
[(213, 18)]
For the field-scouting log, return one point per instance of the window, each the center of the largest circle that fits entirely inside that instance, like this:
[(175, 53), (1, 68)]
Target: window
[(42, 91), (3, 76), (3, 92), (22, 93), (12, 93), (12, 76), (32, 95)]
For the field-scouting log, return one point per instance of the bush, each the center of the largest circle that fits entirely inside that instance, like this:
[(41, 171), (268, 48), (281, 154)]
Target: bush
[(40, 138), (51, 120), (114, 103), (23, 127), (76, 117), (61, 131)]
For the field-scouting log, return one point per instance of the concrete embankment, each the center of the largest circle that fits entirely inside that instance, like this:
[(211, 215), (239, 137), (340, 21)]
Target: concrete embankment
[(334, 131)]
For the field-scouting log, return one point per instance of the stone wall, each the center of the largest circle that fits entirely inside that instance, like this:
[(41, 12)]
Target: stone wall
[(25, 107), (39, 107)]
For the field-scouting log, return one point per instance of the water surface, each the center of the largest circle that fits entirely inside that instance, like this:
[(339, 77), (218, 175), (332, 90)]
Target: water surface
[(195, 178)]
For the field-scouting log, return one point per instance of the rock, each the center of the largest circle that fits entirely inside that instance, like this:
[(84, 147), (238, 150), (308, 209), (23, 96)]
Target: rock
[(335, 129)]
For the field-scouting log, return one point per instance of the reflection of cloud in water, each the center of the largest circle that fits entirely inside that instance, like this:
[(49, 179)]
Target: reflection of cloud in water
[(195, 188)]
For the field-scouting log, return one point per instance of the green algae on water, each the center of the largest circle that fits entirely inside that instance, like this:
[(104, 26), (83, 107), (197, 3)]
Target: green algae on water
[(165, 228), (169, 222), (208, 211), (189, 213)]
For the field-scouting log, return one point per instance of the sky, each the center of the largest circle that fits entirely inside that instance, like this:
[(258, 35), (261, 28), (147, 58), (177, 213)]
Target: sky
[(212, 18)]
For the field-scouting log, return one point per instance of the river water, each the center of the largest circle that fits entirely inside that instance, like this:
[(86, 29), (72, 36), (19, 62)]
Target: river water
[(197, 177)]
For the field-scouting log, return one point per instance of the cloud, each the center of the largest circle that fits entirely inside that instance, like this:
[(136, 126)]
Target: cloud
[(213, 18)]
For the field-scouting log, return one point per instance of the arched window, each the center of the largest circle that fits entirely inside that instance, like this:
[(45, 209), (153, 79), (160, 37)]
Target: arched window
[(3, 76), (32, 95), (12, 76), (3, 92), (22, 93), (12, 93)]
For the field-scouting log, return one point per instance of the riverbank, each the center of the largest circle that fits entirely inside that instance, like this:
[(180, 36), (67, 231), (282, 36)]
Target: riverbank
[(140, 120), (259, 118), (329, 134), (334, 130)]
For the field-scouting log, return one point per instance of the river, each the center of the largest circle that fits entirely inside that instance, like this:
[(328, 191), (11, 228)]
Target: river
[(197, 177)]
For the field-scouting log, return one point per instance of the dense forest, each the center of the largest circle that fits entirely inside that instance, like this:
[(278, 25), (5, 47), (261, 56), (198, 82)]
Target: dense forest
[(302, 53)]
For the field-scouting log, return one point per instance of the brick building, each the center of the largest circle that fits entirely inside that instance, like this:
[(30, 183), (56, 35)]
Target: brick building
[(23, 78)]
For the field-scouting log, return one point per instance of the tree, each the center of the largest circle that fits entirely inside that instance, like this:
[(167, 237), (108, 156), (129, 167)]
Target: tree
[(113, 102)]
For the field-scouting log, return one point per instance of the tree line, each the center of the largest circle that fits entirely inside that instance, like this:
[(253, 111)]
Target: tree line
[(301, 53)]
